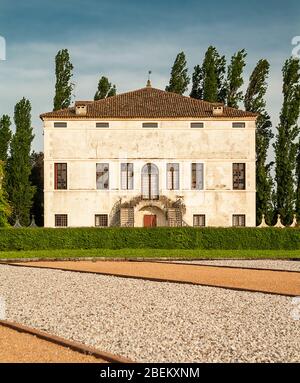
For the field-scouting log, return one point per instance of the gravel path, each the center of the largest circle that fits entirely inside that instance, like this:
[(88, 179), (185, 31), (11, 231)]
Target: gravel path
[(18, 347), (255, 264), (153, 322)]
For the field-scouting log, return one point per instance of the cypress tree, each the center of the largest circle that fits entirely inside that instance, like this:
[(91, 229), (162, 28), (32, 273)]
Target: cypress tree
[(255, 102), (179, 79), (5, 137), (285, 146), (235, 79), (63, 86), (105, 89), (20, 190)]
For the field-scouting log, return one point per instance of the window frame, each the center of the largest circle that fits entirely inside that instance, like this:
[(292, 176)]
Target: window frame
[(201, 216), (60, 216), (194, 123), (60, 125), (56, 176), (105, 125), (103, 172), (235, 125), (150, 125), (236, 178), (129, 181), (100, 216), (194, 171), (238, 217), (175, 181)]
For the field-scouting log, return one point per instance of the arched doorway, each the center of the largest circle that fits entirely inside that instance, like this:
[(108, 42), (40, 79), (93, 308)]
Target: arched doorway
[(150, 183)]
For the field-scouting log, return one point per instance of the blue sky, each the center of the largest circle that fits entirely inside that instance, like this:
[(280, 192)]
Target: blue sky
[(124, 39)]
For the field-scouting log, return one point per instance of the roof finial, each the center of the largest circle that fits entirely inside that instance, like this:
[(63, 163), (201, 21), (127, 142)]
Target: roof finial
[(149, 80)]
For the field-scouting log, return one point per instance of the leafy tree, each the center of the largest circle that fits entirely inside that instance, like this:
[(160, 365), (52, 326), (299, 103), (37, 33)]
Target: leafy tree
[(105, 89), (255, 102), (63, 86), (37, 180), (179, 80), (5, 210), (285, 146), (213, 72), (235, 79), (5, 137), (197, 90), (20, 190)]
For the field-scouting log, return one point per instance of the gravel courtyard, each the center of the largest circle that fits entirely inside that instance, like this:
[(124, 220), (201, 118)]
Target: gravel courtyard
[(153, 321)]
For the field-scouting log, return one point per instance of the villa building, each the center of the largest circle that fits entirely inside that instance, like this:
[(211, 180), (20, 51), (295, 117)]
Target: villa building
[(149, 158)]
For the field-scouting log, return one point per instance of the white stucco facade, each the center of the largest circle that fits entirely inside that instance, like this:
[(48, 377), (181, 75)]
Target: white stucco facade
[(81, 145)]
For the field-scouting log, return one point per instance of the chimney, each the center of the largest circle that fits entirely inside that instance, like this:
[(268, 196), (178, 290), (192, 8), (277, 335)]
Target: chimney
[(218, 110), (80, 108)]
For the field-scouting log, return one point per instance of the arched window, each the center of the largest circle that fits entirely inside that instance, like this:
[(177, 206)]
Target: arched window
[(150, 184)]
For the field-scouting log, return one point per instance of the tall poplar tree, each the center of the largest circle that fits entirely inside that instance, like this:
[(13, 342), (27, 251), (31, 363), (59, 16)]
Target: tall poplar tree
[(285, 145), (37, 180), (255, 102), (63, 86), (197, 90), (5, 137), (235, 79), (105, 89), (179, 79), (5, 210), (20, 190), (213, 72)]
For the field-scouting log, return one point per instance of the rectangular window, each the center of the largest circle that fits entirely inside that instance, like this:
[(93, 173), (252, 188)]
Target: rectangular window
[(60, 176), (150, 125), (239, 176), (102, 176), (239, 125), (60, 124), (197, 125), (197, 176), (61, 220), (199, 220), (173, 176), (127, 176), (239, 220), (102, 124), (101, 220)]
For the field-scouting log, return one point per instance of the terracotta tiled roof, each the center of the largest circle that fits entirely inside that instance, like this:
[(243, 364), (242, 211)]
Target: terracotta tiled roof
[(147, 103)]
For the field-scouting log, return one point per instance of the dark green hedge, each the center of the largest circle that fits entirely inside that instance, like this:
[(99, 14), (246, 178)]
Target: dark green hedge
[(157, 238)]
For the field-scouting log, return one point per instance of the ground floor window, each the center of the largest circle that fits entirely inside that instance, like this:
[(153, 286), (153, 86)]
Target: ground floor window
[(61, 220), (239, 220), (101, 220), (199, 220)]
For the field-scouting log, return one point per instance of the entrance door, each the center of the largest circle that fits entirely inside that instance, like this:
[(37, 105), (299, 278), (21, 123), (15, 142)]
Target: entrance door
[(149, 220)]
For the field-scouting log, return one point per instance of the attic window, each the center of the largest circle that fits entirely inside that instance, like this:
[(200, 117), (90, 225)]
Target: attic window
[(60, 124), (102, 124), (218, 110), (197, 125), (150, 125), (239, 125)]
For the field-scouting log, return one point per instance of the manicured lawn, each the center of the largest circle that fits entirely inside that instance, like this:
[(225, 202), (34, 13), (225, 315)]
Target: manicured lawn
[(153, 253)]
